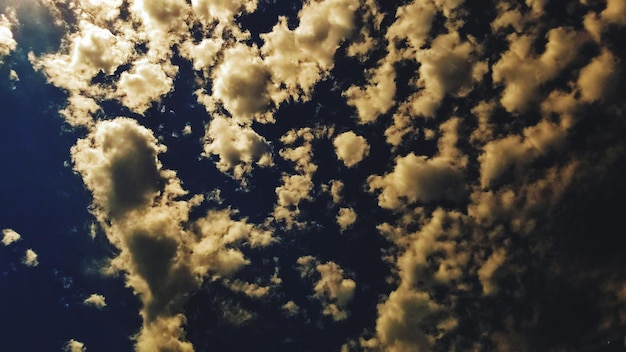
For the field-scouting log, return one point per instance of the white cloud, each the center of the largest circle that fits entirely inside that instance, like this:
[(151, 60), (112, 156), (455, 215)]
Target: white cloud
[(240, 82), (336, 187), (522, 72), (432, 256), (613, 14), (144, 84), (10, 236), (209, 10), (350, 148), (164, 255), (413, 23), (334, 290), (119, 165), (515, 152), (293, 190), (345, 218), (487, 270), (30, 258), (299, 58), (419, 179), (291, 308), (7, 43), (238, 147), (74, 346), (97, 49), (449, 66), (95, 300), (163, 13), (377, 97), (597, 80)]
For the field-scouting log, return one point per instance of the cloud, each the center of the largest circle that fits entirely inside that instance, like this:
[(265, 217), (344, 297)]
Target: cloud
[(336, 187), (165, 257), (411, 318), (333, 289), (522, 72), (377, 97), (92, 49), (345, 218), (613, 14), (297, 187), (74, 346), (293, 190), (419, 179), (144, 84), (350, 148), (95, 300), (597, 80), (118, 162), (208, 10), (516, 152), (240, 82), (7, 42), (10, 236), (489, 268), (238, 147), (448, 67), (412, 23), (30, 258), (299, 58)]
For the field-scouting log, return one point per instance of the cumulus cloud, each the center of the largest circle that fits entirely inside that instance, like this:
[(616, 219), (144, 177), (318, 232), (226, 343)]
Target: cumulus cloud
[(430, 258), (597, 80), (30, 258), (95, 300), (613, 14), (333, 290), (377, 97), (419, 179), (144, 84), (522, 72), (10, 236), (486, 148), (299, 58), (450, 66), (92, 49), (240, 82), (297, 187), (119, 165), (74, 346), (345, 218), (165, 257), (351, 148), (7, 43), (209, 10), (238, 147)]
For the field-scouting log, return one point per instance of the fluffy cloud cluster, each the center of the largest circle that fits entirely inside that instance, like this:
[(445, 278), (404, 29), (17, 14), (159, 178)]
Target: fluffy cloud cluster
[(298, 58), (333, 290), (418, 179), (165, 257), (237, 146), (486, 142)]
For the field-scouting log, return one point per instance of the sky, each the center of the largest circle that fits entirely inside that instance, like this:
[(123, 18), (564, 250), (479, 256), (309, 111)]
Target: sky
[(317, 175)]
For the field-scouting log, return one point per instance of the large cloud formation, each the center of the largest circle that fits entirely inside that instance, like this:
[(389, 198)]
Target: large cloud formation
[(164, 255), (478, 132)]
